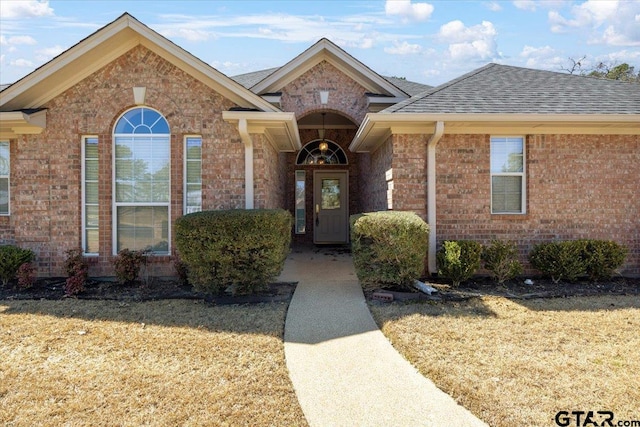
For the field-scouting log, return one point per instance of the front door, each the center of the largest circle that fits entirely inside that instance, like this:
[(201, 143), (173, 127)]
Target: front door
[(330, 207)]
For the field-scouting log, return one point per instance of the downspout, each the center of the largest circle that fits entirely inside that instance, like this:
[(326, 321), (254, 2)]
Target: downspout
[(431, 193), (248, 163)]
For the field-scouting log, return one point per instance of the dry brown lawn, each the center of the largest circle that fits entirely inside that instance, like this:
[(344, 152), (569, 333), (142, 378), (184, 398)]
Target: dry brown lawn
[(519, 363), (81, 363)]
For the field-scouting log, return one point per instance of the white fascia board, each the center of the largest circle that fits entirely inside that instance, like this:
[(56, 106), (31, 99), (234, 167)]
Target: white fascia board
[(13, 123)]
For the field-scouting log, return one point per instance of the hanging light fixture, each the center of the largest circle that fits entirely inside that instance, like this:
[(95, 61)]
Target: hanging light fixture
[(323, 146)]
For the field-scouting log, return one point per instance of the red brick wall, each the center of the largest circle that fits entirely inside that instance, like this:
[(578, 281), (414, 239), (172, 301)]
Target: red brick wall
[(578, 186), (46, 168)]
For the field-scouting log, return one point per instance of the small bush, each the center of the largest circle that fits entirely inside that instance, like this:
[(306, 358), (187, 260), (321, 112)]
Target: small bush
[(560, 260), (389, 248), (11, 258), (241, 249), (77, 272), (127, 265), (501, 259), (459, 260), (26, 275), (181, 270), (602, 258)]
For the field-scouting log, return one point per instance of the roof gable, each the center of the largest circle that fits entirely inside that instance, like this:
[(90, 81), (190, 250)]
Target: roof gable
[(503, 89), (324, 50), (104, 46)]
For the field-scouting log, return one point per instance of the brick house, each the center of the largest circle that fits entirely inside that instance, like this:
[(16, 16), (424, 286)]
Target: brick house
[(107, 144)]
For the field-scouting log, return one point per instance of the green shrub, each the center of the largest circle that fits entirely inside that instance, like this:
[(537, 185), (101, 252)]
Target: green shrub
[(127, 265), (560, 260), (389, 248), (602, 258), (11, 258), (459, 260), (241, 249), (501, 259)]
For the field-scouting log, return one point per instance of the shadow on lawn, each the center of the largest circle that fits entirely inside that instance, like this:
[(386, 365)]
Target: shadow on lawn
[(266, 319)]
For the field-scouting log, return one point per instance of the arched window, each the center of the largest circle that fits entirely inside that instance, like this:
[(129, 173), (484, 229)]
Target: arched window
[(321, 152), (142, 187)]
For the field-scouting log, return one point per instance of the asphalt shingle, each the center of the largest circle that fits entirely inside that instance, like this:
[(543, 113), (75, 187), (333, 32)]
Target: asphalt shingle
[(506, 89)]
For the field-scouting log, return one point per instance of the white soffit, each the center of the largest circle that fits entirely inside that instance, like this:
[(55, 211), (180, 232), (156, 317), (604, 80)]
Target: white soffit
[(280, 128)]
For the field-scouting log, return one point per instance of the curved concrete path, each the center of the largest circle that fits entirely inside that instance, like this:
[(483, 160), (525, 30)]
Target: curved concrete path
[(343, 369)]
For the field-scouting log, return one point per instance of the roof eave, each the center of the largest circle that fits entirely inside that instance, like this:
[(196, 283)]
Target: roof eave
[(377, 127), (280, 128)]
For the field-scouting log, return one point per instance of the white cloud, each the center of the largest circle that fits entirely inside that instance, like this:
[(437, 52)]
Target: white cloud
[(493, 6), (404, 48), (544, 57), (21, 62), (525, 4), (476, 42), (21, 40), (25, 9), (408, 10), (48, 53), (615, 23), (3, 41)]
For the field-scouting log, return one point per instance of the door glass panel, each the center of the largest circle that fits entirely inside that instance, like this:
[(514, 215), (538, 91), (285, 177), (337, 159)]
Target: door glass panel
[(330, 194), (300, 202)]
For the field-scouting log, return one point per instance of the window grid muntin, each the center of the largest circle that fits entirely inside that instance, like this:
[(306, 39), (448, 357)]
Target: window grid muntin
[(134, 136), (311, 150), (521, 173)]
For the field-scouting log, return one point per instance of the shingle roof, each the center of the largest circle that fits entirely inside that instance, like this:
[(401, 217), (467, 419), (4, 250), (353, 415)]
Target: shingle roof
[(248, 80), (506, 89)]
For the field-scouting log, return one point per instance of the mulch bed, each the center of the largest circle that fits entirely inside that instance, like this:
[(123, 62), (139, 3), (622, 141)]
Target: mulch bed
[(517, 289), (157, 289)]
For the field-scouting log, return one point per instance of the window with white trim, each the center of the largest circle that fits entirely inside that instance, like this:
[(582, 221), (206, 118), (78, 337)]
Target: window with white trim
[(142, 187), (90, 215), (508, 175), (5, 170), (192, 174)]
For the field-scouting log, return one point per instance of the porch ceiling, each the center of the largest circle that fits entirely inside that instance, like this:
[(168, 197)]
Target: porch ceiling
[(280, 129)]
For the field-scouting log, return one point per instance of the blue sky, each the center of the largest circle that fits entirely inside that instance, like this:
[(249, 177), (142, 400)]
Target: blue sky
[(426, 41)]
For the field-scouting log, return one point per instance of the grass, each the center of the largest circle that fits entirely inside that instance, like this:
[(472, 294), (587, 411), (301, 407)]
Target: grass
[(159, 363), (519, 363)]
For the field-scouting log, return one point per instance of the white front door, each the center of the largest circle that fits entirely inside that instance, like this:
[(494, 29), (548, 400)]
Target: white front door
[(330, 207)]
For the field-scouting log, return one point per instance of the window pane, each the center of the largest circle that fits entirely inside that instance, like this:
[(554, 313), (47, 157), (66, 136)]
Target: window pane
[(330, 194), (143, 227), (194, 148), (506, 155), (300, 202), (91, 216), (4, 196), (91, 192), (91, 241), (506, 194), (4, 158), (194, 171), (91, 170), (91, 148)]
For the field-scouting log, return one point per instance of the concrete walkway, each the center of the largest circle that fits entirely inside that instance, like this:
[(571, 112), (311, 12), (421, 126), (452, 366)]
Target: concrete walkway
[(343, 369)]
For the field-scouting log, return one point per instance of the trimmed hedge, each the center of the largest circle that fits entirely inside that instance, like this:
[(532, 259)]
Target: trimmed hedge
[(501, 259), (389, 248), (241, 249), (459, 260), (571, 259)]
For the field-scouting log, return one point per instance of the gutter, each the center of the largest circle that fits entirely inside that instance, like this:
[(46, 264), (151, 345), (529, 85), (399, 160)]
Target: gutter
[(248, 162), (438, 131)]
